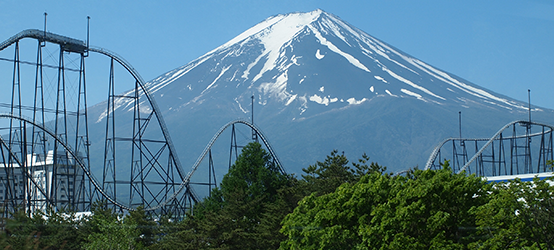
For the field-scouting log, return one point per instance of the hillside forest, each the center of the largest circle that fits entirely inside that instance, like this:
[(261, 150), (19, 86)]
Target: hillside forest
[(333, 204)]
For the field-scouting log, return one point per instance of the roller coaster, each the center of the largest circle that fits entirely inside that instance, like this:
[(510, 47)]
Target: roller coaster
[(53, 157), (518, 148)]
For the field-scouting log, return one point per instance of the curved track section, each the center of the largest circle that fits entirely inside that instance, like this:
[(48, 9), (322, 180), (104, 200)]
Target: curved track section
[(146, 92), (42, 189), (186, 182), (519, 147)]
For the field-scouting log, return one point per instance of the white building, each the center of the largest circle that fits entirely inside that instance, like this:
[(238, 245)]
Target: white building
[(43, 180)]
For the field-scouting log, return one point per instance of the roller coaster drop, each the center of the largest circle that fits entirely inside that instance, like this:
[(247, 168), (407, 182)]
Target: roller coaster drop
[(46, 148)]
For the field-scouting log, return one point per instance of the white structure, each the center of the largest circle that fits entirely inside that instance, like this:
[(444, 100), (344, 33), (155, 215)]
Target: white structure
[(523, 177)]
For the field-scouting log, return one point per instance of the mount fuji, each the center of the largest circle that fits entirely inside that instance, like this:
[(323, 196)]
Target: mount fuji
[(318, 84)]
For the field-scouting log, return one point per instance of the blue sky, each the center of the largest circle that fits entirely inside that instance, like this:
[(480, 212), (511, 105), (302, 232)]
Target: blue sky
[(505, 46)]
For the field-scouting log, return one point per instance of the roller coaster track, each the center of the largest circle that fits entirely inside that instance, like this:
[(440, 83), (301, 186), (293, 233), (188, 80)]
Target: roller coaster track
[(208, 147), (497, 137), (152, 101), (159, 202), (67, 43)]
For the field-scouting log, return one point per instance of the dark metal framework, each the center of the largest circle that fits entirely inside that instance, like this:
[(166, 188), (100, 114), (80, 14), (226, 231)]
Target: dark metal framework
[(46, 144), (28, 154), (520, 147), (140, 167)]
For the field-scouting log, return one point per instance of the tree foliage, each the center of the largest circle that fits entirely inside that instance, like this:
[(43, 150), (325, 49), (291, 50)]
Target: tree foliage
[(108, 230), (44, 230), (244, 212), (519, 215), (335, 205), (426, 209), (324, 177)]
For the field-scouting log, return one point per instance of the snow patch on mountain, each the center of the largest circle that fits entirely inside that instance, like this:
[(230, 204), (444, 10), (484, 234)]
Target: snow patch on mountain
[(292, 98), (388, 92), (325, 100), (245, 36), (240, 106), (380, 79), (465, 87), (320, 100), (123, 102), (353, 101), (318, 55), (480, 93), (407, 92)]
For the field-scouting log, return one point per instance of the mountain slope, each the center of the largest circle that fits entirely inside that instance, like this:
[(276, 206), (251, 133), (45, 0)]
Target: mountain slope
[(321, 84)]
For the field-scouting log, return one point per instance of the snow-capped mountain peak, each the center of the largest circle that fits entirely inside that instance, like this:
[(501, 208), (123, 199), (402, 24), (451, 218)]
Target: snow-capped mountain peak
[(280, 26), (287, 58), (320, 84)]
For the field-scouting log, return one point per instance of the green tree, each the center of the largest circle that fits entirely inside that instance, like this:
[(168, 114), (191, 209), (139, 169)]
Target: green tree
[(237, 214), (324, 177), (144, 224), (22, 232), (44, 230), (106, 230), (253, 175), (270, 223), (423, 210), (430, 209), (519, 215)]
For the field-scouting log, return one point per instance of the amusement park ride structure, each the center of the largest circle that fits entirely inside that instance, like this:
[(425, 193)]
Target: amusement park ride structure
[(45, 142), (518, 148)]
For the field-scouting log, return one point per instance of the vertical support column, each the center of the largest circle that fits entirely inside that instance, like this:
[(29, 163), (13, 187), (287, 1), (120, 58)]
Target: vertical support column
[(170, 181), (513, 150), (454, 161), (8, 182), (233, 146), (109, 173), (528, 158), (38, 137), (211, 171), (501, 155), (254, 133), (24, 183), (545, 150), (59, 117), (137, 177), (82, 193), (550, 149), (478, 161), (15, 138)]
